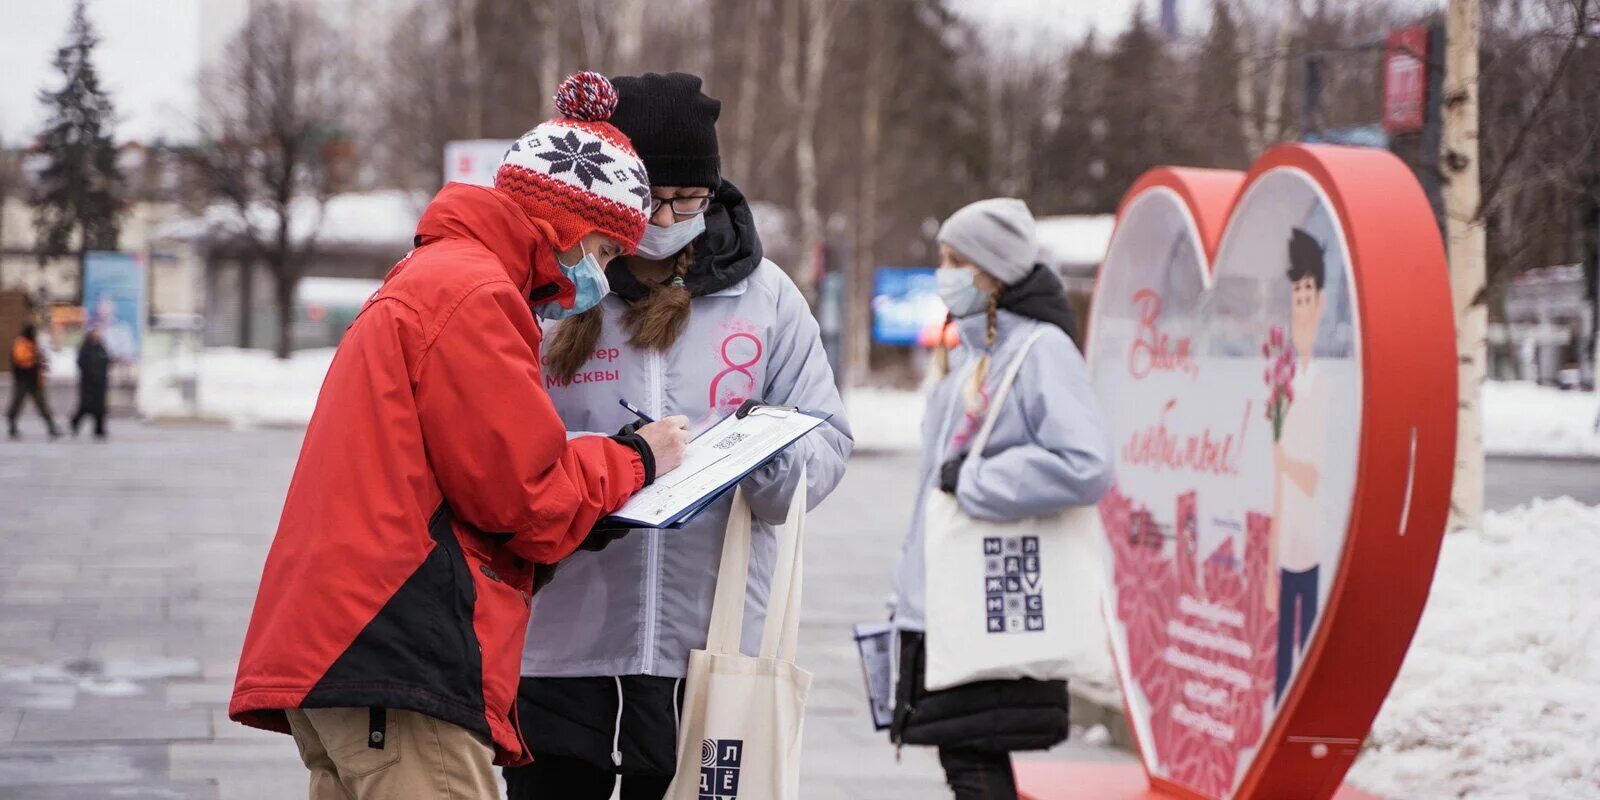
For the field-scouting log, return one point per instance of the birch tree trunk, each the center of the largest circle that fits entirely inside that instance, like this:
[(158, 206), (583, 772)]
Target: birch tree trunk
[(1245, 87), (819, 24), (1277, 85), (749, 84), (472, 61), (629, 36), (1465, 244), (858, 296), (544, 17)]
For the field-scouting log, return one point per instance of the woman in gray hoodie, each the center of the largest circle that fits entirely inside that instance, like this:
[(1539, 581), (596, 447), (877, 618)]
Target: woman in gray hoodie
[(697, 322), (1049, 450)]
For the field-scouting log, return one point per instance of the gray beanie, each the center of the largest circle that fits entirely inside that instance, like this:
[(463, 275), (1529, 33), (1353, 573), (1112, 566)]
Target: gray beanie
[(997, 235)]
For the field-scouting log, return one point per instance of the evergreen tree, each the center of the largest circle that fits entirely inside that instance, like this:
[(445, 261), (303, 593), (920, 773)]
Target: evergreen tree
[(79, 189)]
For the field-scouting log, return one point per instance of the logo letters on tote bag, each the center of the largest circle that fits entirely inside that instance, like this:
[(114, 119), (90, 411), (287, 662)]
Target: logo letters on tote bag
[(719, 768), (1013, 590)]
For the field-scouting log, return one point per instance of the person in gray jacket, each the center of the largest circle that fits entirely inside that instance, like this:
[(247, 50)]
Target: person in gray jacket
[(697, 323), (1049, 450)]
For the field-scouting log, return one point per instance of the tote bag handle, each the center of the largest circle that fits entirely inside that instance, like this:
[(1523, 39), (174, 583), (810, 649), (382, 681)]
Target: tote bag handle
[(982, 439), (782, 628)]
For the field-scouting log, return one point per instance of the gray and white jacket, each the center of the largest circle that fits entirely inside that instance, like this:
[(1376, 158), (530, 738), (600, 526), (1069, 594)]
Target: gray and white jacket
[(1050, 448), (640, 605)]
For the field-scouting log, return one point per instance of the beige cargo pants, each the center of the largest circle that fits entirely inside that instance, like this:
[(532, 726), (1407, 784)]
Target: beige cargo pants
[(378, 754)]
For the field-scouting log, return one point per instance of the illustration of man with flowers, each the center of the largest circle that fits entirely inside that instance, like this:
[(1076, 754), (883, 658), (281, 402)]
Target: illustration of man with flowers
[(1298, 411)]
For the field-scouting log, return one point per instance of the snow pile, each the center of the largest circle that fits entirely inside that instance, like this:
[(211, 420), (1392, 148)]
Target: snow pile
[(1522, 418), (1500, 694), (884, 419), (243, 387)]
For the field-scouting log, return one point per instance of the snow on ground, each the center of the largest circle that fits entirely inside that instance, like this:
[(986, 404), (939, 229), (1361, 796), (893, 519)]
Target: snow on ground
[(1523, 418), (1500, 694), (884, 419), (243, 387)]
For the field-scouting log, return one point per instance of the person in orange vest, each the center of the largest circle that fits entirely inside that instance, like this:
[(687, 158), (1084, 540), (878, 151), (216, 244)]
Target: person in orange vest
[(27, 380)]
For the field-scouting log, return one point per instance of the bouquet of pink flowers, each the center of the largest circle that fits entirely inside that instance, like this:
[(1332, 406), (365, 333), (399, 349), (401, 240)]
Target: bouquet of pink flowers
[(1279, 377)]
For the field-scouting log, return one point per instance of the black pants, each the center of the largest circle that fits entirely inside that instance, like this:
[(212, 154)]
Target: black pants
[(978, 775), (557, 778), (21, 390), (96, 412)]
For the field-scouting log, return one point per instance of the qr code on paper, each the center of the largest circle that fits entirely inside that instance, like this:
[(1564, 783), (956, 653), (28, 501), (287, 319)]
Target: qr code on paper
[(728, 442)]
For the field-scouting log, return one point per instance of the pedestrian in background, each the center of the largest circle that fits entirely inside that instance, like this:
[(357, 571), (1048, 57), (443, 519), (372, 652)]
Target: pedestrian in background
[(698, 322), (436, 478), (1048, 451), (27, 381), (94, 376)]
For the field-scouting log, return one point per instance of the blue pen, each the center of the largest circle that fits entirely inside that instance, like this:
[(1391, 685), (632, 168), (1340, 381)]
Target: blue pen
[(635, 411)]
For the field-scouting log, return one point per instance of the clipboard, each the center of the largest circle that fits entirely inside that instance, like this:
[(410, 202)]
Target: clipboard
[(714, 462)]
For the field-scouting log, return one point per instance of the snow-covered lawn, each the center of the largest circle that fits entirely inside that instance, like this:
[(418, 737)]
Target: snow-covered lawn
[(242, 387), (1500, 694), (249, 386), (1521, 418), (884, 419)]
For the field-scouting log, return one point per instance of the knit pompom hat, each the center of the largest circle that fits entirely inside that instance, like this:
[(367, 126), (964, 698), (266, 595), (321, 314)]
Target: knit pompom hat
[(577, 171)]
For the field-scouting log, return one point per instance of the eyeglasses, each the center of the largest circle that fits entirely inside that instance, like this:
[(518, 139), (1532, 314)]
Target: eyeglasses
[(682, 206)]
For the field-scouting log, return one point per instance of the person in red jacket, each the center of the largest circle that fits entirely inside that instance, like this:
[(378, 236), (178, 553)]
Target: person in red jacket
[(436, 478)]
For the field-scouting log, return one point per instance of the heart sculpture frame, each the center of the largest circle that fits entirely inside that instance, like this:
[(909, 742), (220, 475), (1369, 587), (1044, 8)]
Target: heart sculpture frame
[(1282, 488)]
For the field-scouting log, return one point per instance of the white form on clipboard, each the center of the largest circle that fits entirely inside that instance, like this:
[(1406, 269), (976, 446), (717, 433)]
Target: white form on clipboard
[(715, 461)]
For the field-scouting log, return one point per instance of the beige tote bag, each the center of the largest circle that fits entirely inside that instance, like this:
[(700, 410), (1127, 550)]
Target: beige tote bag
[(1007, 599), (739, 738)]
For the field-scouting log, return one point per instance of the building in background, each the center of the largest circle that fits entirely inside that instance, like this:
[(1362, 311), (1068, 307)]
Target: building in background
[(1547, 329), (358, 237)]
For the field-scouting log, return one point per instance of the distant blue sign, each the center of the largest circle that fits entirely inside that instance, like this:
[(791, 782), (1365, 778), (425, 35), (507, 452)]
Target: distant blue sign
[(1356, 136), (905, 302), (114, 301)]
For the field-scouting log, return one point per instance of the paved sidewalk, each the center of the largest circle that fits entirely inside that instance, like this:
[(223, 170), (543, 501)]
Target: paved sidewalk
[(127, 571)]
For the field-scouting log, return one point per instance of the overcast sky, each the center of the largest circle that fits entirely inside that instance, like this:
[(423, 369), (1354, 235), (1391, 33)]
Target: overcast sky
[(150, 51)]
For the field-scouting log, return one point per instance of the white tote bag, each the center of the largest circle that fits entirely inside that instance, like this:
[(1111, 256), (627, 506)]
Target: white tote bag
[(739, 738), (1002, 597)]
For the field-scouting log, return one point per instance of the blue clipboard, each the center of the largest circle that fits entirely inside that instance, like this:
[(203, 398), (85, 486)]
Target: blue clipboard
[(686, 516)]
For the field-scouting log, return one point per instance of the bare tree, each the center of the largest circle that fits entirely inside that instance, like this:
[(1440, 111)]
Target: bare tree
[(756, 17), (1262, 130), (271, 152), (819, 19)]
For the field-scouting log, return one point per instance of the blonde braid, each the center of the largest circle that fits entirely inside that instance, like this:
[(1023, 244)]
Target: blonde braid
[(980, 375)]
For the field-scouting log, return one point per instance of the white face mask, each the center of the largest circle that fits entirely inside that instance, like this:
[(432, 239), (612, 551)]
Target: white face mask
[(958, 291), (658, 242)]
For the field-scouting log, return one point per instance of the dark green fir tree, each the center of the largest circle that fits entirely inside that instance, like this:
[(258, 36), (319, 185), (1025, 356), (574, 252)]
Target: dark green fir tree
[(79, 189)]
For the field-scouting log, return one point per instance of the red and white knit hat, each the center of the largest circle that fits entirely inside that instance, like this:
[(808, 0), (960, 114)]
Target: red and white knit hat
[(578, 172)]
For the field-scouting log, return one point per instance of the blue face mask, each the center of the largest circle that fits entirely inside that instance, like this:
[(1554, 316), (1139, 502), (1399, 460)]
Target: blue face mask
[(959, 293), (592, 287)]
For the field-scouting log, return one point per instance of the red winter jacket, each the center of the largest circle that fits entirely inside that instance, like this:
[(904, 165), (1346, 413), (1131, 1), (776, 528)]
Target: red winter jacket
[(434, 474)]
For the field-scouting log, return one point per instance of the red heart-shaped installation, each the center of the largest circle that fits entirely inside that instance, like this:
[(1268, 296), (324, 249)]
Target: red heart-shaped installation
[(1274, 352)]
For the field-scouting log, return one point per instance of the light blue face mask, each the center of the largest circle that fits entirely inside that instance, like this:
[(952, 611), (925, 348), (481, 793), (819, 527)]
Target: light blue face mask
[(590, 282), (659, 243), (959, 293)]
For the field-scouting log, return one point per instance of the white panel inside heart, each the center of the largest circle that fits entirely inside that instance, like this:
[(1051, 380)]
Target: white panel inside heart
[(1180, 370)]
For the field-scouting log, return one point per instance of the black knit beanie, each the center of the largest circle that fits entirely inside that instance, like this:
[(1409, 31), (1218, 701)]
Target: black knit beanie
[(672, 125)]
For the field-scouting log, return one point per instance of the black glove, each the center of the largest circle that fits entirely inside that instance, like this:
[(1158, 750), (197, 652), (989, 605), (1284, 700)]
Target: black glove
[(950, 473), (601, 535)]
